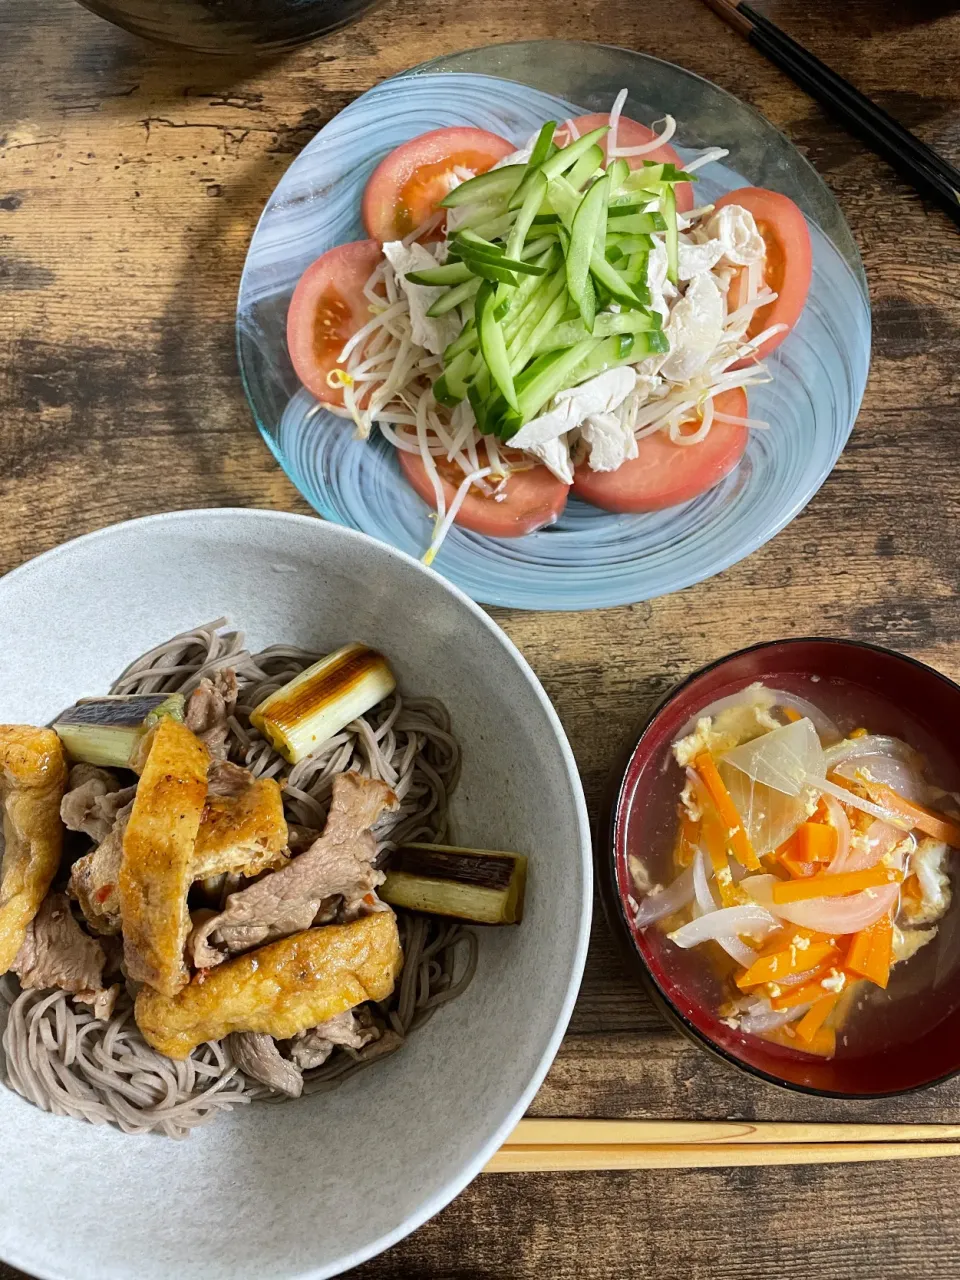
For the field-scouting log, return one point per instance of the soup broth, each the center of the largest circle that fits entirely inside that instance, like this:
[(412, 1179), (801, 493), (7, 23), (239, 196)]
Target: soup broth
[(864, 1018)]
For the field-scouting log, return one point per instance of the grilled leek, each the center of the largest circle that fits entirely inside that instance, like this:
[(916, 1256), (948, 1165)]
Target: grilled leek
[(322, 700), (481, 885), (106, 731)]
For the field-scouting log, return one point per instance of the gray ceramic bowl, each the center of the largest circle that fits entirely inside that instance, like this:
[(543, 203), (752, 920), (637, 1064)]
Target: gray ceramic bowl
[(307, 1188)]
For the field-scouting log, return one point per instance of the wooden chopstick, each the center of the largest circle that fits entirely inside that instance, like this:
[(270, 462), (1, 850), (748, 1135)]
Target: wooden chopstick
[(571, 1133), (927, 170), (554, 1159), (545, 1146)]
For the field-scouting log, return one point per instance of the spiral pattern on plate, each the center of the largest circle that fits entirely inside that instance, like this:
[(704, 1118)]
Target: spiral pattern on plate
[(589, 558)]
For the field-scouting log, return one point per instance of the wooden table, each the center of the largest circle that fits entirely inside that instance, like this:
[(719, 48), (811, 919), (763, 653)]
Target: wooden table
[(130, 181)]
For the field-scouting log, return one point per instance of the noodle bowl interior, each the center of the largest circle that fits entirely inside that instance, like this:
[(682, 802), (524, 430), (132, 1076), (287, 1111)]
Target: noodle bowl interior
[(238, 883)]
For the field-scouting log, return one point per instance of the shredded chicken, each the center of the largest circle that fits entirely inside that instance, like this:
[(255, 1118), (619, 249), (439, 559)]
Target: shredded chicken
[(340, 863), (209, 708), (92, 801)]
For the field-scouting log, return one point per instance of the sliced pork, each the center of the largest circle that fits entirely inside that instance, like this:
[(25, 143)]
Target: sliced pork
[(209, 708), (351, 1030), (92, 801), (57, 953), (93, 878), (339, 863), (257, 1056)]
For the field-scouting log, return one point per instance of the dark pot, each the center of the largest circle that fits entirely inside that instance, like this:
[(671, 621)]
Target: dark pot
[(230, 26)]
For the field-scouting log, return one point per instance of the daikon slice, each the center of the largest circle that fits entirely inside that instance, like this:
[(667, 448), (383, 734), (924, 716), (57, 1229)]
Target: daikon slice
[(785, 759), (768, 816)]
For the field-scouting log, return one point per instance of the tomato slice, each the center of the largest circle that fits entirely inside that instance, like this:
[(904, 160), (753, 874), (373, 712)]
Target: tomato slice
[(408, 185), (665, 474), (535, 498), (632, 134), (327, 308), (788, 267)]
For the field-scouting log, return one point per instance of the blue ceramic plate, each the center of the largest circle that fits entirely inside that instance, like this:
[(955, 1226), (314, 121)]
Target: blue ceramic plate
[(589, 559)]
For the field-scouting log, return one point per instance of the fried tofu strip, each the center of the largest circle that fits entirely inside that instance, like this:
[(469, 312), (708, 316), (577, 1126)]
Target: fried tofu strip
[(158, 848), (33, 777), (280, 989), (244, 834)]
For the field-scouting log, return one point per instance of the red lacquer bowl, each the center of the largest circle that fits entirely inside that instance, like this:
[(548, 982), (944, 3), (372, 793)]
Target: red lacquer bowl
[(912, 1037)]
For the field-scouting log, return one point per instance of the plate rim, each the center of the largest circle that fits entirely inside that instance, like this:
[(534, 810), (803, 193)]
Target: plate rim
[(501, 594)]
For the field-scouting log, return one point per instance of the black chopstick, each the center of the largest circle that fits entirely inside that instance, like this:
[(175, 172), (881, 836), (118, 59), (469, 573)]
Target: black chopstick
[(928, 171)]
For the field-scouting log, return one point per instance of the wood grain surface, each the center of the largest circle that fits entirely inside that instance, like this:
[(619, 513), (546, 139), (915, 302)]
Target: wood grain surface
[(130, 181)]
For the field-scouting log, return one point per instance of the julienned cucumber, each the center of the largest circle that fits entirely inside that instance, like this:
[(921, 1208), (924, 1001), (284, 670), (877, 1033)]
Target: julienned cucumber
[(672, 239), (451, 273), (498, 182), (589, 225), (493, 348), (541, 253), (568, 368), (455, 297)]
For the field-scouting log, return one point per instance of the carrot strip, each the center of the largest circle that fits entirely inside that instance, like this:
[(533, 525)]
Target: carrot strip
[(816, 842), (815, 1017), (737, 836), (805, 994), (785, 963), (798, 870), (926, 820), (823, 1043), (786, 936), (716, 846), (826, 886), (688, 839), (870, 952)]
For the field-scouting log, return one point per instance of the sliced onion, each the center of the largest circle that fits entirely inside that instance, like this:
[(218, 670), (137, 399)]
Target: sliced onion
[(727, 923), (877, 841), (756, 1022), (705, 903), (701, 888), (841, 823), (874, 744), (657, 905), (848, 914), (824, 726), (887, 769), (857, 802)]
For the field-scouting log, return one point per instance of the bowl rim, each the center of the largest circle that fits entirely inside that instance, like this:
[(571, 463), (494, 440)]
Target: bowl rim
[(612, 901), (252, 516)]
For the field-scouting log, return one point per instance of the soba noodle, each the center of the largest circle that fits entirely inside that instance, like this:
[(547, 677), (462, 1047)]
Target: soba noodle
[(60, 1057)]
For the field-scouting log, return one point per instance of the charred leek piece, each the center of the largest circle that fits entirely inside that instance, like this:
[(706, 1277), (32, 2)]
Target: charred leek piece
[(469, 884), (322, 700), (105, 731)]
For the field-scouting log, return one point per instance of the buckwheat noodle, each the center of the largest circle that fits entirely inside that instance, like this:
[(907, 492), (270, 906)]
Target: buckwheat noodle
[(60, 1057)]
